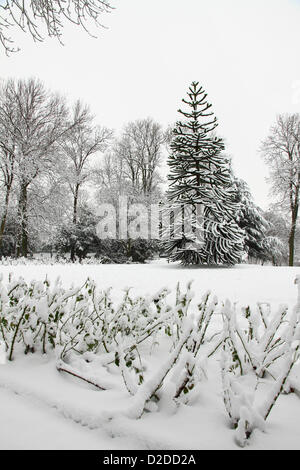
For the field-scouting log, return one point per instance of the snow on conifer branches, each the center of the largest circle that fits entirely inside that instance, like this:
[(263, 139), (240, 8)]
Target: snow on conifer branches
[(200, 176)]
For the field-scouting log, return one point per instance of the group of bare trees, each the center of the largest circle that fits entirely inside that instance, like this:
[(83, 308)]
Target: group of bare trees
[(45, 150), (131, 167), (281, 152), (52, 154)]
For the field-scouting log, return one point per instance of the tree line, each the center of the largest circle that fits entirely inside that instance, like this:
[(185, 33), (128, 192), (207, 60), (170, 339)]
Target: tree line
[(57, 165), (50, 164)]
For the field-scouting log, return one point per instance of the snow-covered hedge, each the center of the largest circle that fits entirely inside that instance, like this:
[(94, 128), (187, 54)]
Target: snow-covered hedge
[(89, 333), (8, 261)]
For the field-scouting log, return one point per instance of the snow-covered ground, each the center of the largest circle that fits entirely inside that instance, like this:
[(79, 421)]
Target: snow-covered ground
[(242, 283), (41, 408)]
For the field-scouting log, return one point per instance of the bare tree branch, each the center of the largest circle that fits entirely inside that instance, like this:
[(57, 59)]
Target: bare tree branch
[(47, 17)]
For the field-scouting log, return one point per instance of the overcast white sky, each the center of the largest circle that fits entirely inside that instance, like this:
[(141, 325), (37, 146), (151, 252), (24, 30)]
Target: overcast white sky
[(246, 54)]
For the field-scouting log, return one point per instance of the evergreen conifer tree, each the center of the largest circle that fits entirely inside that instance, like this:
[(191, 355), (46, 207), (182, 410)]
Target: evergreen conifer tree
[(260, 240), (250, 218), (200, 197)]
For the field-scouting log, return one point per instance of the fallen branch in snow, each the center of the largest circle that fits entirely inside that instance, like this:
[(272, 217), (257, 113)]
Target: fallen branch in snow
[(60, 368)]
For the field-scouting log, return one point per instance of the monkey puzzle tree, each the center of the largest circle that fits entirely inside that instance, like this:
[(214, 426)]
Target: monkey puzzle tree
[(200, 197)]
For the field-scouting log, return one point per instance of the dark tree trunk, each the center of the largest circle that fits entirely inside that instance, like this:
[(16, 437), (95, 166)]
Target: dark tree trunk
[(292, 235), (75, 206), (294, 206), (292, 246), (8, 179), (22, 246), (4, 217)]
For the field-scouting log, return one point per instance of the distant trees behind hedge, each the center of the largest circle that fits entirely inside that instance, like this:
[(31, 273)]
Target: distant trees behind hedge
[(57, 165)]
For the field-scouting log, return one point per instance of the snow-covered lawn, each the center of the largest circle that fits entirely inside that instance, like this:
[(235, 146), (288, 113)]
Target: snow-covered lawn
[(41, 408), (242, 283)]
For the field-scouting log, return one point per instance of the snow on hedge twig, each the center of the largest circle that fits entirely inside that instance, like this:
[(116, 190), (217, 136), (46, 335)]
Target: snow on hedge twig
[(248, 353), (291, 356), (189, 380), (152, 385)]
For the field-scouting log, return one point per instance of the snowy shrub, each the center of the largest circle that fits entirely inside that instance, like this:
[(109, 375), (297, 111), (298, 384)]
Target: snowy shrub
[(189, 376), (180, 374), (94, 327), (124, 251), (256, 339), (92, 336), (29, 314), (8, 261), (258, 347), (84, 326)]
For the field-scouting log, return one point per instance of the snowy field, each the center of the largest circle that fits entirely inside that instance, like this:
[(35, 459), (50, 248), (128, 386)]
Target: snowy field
[(242, 283), (41, 408)]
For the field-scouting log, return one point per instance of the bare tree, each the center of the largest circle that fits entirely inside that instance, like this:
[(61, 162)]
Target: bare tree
[(281, 152), (77, 147), (110, 179), (47, 16), (34, 123), (7, 152), (140, 149)]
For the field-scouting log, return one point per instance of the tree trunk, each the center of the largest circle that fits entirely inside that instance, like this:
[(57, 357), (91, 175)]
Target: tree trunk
[(22, 247), (291, 246), (292, 235), (75, 204), (4, 217)]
